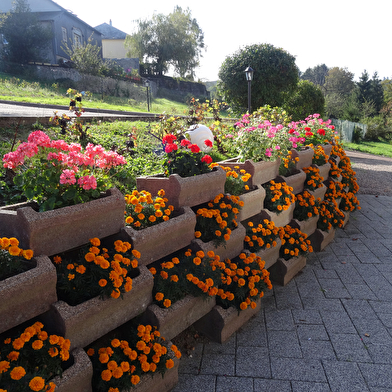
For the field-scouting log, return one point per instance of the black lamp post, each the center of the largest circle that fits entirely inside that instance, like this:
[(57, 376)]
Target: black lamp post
[(249, 76), (147, 84)]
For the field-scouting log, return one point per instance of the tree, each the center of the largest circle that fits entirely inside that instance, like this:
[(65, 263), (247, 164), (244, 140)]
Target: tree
[(86, 57), (307, 99), (175, 39), (275, 76), (316, 75), (338, 87), (371, 90), (25, 36)]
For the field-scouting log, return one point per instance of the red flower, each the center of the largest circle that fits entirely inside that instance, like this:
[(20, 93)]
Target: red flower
[(171, 147), (208, 142), (206, 159), (169, 139), (308, 133), (321, 132), (194, 148), (185, 143), (291, 130), (307, 129)]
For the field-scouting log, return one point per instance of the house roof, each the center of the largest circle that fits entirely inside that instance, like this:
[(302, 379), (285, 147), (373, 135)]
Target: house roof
[(110, 32)]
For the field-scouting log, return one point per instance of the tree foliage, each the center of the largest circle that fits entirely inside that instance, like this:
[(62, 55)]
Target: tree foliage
[(26, 38), (316, 75), (307, 99), (275, 76), (371, 90), (168, 40)]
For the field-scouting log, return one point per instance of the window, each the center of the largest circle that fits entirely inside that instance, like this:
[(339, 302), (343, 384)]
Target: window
[(77, 38), (65, 36)]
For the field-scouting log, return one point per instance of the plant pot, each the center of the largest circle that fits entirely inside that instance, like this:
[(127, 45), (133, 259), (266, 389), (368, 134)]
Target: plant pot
[(319, 193), (324, 170), (281, 219), (305, 157), (164, 238), (78, 377), (88, 321), (270, 255), (327, 148), (285, 270), (308, 226), (253, 203), (219, 324), (320, 239), (188, 191), (232, 248), (172, 321), (53, 232), (157, 383), (27, 294), (346, 219), (296, 181), (261, 172)]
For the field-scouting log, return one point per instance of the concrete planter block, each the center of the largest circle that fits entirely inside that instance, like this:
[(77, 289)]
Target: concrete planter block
[(231, 249), (27, 294), (281, 219), (78, 377), (58, 230), (188, 191), (253, 203), (327, 148), (319, 193), (157, 383), (308, 226), (172, 321), (324, 170), (285, 270), (84, 323), (305, 157), (164, 238), (270, 255), (219, 324), (261, 172), (296, 181), (320, 239)]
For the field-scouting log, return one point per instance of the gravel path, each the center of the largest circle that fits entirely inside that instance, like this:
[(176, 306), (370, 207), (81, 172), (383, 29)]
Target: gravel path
[(374, 173)]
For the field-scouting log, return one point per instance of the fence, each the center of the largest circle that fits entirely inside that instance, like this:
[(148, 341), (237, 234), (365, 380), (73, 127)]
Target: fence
[(346, 129)]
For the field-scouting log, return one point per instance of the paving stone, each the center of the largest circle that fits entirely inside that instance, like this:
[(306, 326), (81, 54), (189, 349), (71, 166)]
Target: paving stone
[(284, 344), (306, 316), (312, 332), (252, 362), (201, 383), (228, 347), (234, 384), (261, 385), (280, 320), (350, 347), (360, 291), (299, 386), (191, 365), (297, 370), (218, 364), (337, 322), (380, 353), (332, 305), (334, 288), (377, 375), (317, 349), (253, 333), (344, 376)]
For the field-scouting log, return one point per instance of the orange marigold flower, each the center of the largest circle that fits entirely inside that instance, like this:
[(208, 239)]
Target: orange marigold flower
[(167, 303), (135, 379), (159, 296), (37, 344), (103, 282), (37, 383), (17, 373), (169, 364), (106, 375)]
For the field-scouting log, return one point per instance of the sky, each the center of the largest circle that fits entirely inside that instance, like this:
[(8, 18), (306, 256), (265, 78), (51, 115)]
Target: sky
[(338, 33)]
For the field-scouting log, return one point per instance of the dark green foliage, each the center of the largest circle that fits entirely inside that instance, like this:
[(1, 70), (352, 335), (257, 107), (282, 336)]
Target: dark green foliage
[(275, 75), (27, 38), (307, 99), (316, 75)]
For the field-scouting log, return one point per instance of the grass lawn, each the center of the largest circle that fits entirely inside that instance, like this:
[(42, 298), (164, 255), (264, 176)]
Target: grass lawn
[(370, 147)]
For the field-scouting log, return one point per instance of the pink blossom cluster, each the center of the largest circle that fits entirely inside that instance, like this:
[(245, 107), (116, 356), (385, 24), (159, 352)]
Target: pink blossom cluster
[(70, 158)]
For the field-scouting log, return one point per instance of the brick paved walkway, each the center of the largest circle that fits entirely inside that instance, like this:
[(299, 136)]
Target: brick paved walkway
[(329, 329)]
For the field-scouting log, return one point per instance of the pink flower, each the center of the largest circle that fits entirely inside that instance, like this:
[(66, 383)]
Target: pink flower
[(277, 147), (206, 159), (87, 182), (39, 138), (268, 152), (68, 177)]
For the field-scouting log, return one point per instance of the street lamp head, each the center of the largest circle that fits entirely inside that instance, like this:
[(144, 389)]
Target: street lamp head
[(249, 74)]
